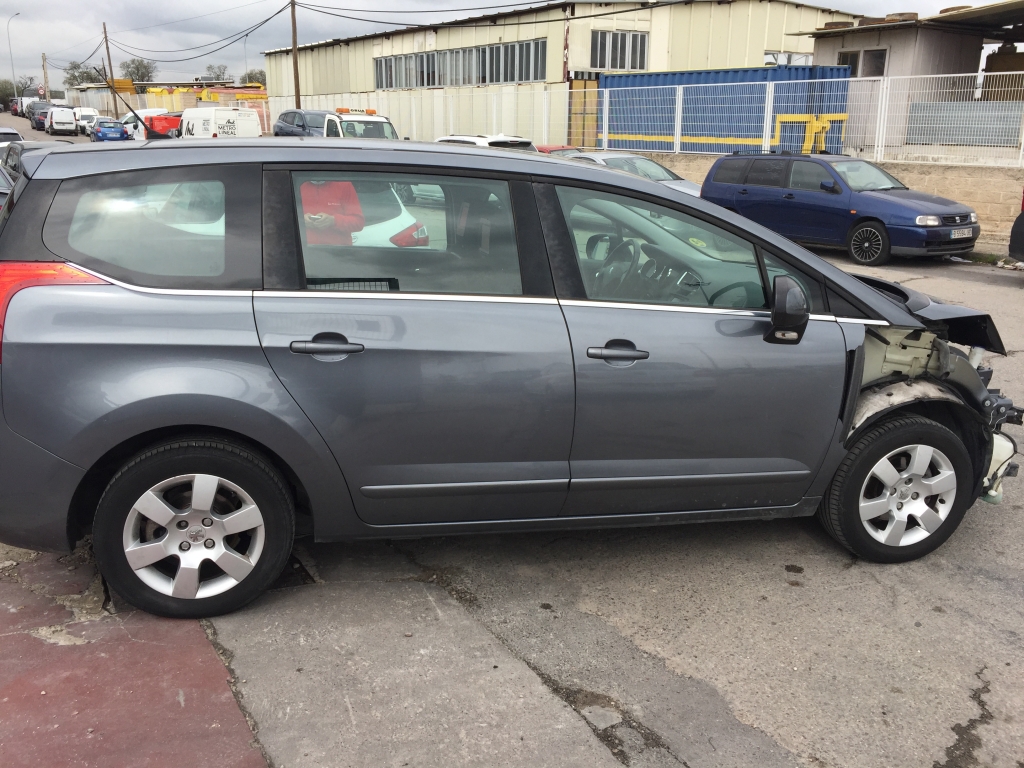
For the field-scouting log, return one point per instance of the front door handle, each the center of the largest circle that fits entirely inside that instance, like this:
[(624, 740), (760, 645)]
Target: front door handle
[(788, 196), (324, 348), (616, 353), (742, 192)]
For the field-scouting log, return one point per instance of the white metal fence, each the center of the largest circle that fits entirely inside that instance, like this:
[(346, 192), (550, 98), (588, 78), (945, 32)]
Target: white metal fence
[(965, 119)]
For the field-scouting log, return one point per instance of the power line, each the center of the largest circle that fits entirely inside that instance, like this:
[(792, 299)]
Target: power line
[(235, 39), (246, 31), (190, 18)]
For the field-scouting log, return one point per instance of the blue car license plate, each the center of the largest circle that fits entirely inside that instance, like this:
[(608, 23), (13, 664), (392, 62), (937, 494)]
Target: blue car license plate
[(958, 233)]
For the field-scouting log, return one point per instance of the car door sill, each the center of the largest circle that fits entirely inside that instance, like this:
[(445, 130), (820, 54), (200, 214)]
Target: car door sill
[(422, 490), (677, 481)]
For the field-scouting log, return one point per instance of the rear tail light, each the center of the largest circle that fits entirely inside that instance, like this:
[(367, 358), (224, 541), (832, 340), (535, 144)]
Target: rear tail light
[(16, 275), (411, 236)]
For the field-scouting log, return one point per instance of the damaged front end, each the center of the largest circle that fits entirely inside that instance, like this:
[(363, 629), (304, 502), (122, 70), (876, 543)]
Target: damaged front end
[(903, 368)]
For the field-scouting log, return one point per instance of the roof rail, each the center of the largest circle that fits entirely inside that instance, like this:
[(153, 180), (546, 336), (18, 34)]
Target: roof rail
[(786, 153)]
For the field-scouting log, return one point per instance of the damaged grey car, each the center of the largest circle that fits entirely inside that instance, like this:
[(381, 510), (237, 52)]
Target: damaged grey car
[(207, 352)]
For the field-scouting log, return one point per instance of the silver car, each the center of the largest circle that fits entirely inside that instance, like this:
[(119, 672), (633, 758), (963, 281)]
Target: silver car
[(201, 360), (638, 165)]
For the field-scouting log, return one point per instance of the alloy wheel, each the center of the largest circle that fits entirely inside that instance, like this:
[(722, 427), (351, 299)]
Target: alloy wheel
[(907, 495), (866, 244), (193, 536)]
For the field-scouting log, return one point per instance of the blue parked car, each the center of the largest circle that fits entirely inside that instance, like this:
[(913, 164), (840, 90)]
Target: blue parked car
[(844, 201), (108, 129)]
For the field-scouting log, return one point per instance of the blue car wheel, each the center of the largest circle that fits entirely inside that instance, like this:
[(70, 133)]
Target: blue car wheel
[(868, 244)]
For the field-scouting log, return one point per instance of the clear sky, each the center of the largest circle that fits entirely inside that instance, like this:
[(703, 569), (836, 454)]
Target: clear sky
[(71, 29)]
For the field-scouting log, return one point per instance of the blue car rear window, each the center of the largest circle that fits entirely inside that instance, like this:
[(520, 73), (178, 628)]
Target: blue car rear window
[(730, 171)]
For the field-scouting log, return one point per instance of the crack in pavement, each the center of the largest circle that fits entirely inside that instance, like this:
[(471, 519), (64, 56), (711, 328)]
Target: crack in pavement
[(961, 753)]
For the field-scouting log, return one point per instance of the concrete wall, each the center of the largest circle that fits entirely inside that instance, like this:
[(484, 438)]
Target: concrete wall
[(911, 51), (995, 193)]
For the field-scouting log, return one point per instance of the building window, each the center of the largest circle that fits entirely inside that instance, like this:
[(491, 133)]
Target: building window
[(774, 58), (873, 63), (507, 63), (849, 59), (618, 50)]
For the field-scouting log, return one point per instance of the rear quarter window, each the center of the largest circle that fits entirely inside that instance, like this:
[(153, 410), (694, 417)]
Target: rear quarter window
[(730, 171), (185, 228), (767, 173)]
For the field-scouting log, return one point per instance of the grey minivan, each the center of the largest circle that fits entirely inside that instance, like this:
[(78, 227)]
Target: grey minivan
[(198, 364)]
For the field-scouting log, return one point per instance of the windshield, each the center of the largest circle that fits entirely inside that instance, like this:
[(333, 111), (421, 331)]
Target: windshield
[(314, 121), (865, 177), (366, 129), (641, 166)]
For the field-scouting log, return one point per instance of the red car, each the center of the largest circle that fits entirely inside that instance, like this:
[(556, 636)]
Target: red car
[(556, 149)]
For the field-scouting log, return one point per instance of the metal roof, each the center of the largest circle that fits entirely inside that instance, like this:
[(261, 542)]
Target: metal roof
[(641, 6), (998, 21)]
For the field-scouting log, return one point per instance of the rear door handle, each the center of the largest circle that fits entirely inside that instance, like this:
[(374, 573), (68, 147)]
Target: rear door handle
[(788, 196), (324, 348), (742, 192), (616, 353)]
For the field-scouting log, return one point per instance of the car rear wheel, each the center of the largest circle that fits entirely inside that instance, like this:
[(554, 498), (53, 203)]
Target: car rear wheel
[(900, 492), (868, 244), (194, 528)]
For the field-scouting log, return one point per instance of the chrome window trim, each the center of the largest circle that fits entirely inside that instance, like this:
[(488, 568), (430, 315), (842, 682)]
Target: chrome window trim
[(861, 321), (398, 295), (157, 291), (666, 308)]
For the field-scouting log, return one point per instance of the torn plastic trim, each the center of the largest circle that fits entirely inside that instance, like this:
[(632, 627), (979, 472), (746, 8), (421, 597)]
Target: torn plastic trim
[(876, 400)]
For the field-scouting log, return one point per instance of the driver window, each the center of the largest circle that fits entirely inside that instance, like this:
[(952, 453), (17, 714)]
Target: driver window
[(634, 251), (332, 129)]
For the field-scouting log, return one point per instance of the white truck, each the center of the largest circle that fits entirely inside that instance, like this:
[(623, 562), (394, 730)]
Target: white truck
[(219, 122)]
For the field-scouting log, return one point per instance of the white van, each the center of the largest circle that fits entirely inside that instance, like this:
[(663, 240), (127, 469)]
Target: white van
[(60, 120), (84, 117), (219, 122)]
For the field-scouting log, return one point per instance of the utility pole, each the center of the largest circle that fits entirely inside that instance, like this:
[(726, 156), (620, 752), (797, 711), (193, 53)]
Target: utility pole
[(110, 80), (295, 58), (14, 78), (46, 80)]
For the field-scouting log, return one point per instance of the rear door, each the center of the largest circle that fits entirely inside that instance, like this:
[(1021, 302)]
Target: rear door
[(721, 187), (680, 403), (807, 212), (435, 362), (759, 197)]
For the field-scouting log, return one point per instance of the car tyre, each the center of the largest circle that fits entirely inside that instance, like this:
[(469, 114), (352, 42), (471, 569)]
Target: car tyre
[(868, 244), (152, 546), (915, 455)]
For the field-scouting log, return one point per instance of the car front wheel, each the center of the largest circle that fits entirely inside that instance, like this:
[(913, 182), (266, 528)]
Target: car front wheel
[(868, 244), (900, 492), (194, 528)]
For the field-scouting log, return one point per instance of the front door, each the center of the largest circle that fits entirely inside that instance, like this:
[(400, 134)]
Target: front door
[(445, 393), (680, 403), (810, 213)]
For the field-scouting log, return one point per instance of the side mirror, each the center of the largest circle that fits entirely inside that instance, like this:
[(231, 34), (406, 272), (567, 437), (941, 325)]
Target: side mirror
[(407, 138), (790, 312), (829, 186)]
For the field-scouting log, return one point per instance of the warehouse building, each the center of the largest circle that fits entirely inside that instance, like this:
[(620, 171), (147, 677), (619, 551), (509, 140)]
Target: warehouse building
[(555, 43)]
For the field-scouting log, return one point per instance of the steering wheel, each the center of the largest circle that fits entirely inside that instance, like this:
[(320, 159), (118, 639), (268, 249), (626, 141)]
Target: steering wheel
[(755, 294), (620, 264)]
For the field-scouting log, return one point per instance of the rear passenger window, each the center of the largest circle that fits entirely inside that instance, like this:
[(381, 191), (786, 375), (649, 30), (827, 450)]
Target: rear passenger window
[(190, 228), (410, 233), (767, 173), (730, 171)]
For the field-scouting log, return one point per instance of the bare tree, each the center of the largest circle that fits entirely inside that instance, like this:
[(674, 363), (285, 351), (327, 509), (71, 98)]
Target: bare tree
[(24, 83), (217, 71)]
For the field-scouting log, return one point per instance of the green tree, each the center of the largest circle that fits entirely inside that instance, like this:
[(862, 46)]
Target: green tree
[(217, 71), (255, 76), (6, 93), (76, 73), (138, 70)]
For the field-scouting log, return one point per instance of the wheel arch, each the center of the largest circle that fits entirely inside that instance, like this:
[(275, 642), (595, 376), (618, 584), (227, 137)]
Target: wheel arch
[(864, 220), (92, 485), (949, 411)]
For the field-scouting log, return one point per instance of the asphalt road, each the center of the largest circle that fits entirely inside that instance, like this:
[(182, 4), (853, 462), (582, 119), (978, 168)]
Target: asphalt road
[(21, 124), (747, 644)]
